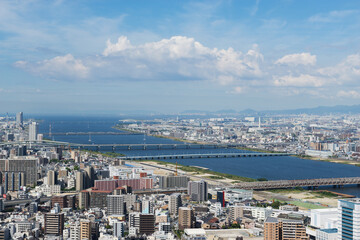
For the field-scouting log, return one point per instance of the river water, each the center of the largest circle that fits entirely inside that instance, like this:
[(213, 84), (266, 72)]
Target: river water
[(272, 168)]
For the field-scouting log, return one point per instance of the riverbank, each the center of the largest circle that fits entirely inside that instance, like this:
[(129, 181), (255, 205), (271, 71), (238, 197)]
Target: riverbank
[(332, 160), (229, 178), (104, 154)]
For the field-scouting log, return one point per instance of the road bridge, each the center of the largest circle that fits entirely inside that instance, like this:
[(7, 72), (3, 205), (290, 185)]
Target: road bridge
[(91, 133), (138, 146), (205, 155), (299, 183)]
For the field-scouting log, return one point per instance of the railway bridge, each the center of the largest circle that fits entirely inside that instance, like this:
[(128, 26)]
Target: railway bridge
[(299, 183), (204, 155)]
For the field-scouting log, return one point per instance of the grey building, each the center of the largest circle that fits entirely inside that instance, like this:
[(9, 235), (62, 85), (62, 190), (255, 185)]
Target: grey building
[(173, 181), (25, 165), (174, 203), (116, 205), (198, 191)]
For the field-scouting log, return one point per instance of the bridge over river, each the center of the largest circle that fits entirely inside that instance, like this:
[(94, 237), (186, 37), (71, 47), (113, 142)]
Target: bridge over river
[(299, 183), (91, 133), (203, 155), (113, 147)]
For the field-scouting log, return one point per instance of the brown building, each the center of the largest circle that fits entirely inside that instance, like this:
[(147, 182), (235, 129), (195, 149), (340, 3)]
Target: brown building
[(61, 200), (284, 229), (293, 230), (271, 229), (147, 224), (85, 229), (98, 198), (186, 218), (54, 224)]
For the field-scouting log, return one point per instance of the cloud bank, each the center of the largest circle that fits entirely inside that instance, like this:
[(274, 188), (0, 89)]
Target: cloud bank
[(181, 58)]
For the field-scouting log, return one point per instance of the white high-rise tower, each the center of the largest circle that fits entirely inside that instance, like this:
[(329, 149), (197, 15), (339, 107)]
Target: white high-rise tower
[(33, 131)]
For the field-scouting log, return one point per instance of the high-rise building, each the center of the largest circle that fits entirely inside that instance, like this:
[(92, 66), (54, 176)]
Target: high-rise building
[(235, 212), (89, 176), (144, 223), (75, 231), (147, 206), (271, 229), (173, 181), (98, 198), (12, 181), (80, 181), (118, 229), (349, 219), (1, 205), (19, 119), (33, 131), (174, 203), (5, 234), (61, 200), (54, 224), (26, 165), (186, 218), (293, 230), (198, 191), (116, 205), (84, 199), (85, 229), (51, 177)]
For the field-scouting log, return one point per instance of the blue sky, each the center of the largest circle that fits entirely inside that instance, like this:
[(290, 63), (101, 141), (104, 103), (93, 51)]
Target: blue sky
[(79, 57)]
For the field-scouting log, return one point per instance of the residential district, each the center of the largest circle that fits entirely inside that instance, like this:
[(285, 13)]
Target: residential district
[(50, 192)]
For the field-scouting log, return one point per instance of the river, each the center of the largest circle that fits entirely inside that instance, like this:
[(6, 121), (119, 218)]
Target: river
[(272, 168)]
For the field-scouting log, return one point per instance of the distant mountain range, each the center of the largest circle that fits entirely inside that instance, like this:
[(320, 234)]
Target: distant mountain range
[(343, 109)]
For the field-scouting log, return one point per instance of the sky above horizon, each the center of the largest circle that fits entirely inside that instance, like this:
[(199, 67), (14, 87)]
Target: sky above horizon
[(78, 57)]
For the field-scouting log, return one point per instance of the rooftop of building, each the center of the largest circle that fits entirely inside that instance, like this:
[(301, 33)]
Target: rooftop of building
[(329, 230), (271, 220), (352, 200)]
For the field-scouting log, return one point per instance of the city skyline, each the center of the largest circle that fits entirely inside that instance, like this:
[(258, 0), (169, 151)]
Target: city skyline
[(95, 57)]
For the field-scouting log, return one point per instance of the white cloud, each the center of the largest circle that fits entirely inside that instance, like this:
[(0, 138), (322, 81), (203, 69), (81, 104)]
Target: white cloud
[(176, 58), (347, 71), (332, 16), (349, 94), (297, 59), (122, 44), (303, 80), (57, 68)]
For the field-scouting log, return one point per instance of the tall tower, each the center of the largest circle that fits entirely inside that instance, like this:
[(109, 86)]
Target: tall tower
[(19, 119), (33, 131), (259, 122)]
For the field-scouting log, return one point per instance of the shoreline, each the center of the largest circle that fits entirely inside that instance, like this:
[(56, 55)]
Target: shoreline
[(198, 170), (331, 160)]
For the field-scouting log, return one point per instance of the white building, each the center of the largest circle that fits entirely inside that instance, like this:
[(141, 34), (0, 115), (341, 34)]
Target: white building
[(75, 231), (194, 234), (324, 218), (349, 219), (261, 213), (118, 229), (33, 131), (326, 234)]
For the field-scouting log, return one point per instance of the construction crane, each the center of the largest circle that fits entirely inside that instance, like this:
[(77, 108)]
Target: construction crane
[(176, 169)]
